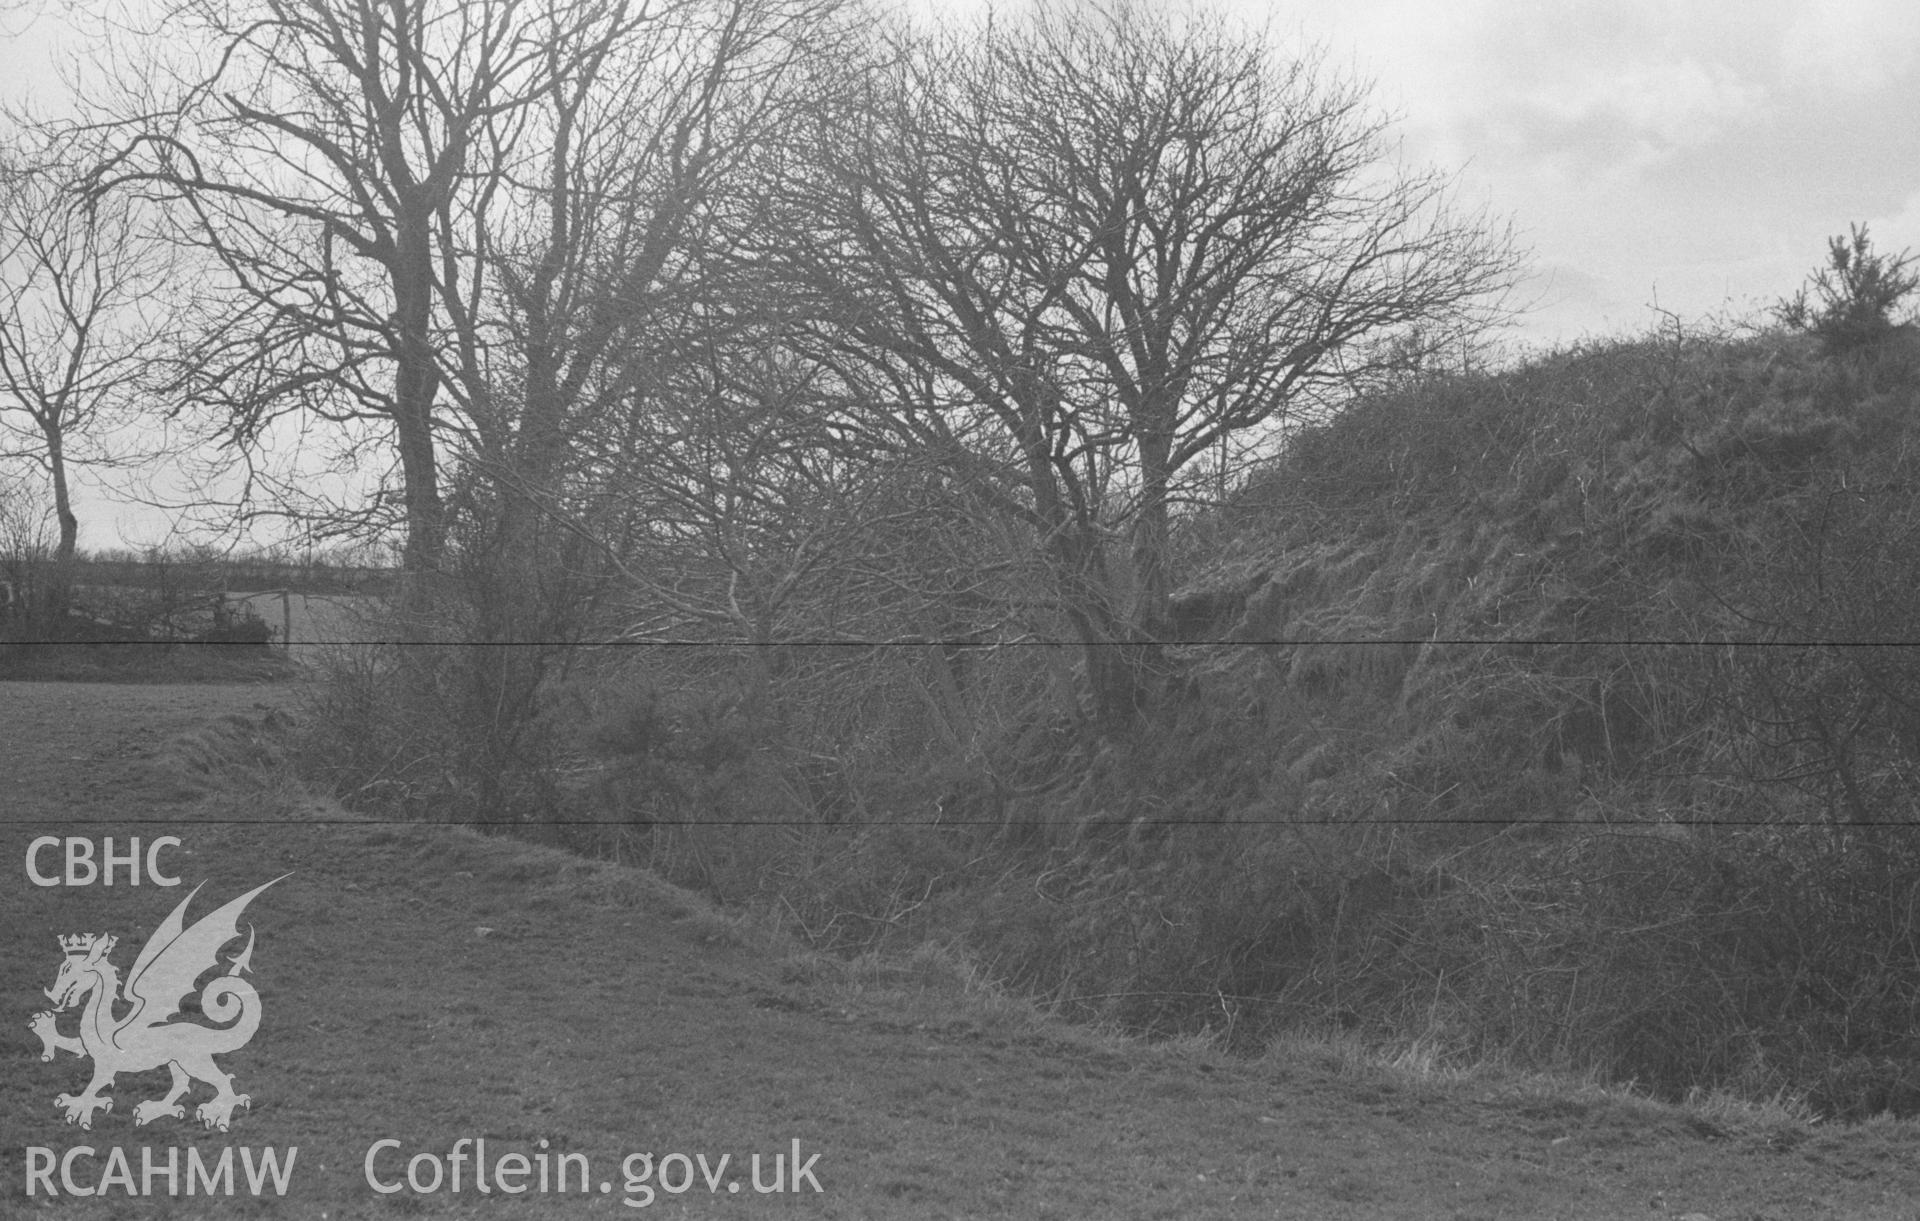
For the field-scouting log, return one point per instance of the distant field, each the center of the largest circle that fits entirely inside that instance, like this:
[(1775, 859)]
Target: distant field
[(310, 620), (230, 573)]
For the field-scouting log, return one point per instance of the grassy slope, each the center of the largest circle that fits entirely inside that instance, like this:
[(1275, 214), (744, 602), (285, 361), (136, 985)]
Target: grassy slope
[(607, 1013), (1651, 490), (1504, 827)]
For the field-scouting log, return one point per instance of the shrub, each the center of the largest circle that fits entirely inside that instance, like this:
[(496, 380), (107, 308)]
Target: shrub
[(1854, 297)]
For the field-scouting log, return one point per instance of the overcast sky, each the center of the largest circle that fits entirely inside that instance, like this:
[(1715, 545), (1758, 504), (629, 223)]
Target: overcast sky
[(1693, 153), (1689, 154)]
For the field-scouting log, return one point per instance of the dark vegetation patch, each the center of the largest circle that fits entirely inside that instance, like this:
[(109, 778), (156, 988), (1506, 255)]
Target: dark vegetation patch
[(146, 662)]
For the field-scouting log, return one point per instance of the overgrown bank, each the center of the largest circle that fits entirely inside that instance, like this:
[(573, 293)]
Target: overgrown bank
[(1566, 716)]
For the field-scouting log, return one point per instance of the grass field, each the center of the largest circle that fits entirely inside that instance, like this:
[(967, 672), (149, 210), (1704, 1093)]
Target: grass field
[(429, 986), (305, 623)]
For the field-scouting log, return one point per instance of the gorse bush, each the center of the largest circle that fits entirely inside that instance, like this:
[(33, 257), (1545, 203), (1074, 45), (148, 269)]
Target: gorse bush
[(1851, 303)]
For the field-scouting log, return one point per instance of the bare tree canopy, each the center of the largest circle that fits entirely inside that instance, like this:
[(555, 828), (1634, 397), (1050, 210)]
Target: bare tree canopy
[(1072, 251), (436, 219), (82, 319)]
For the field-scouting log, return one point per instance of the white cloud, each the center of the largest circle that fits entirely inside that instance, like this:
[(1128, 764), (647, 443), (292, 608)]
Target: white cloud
[(1899, 230), (1677, 103), (1855, 46)]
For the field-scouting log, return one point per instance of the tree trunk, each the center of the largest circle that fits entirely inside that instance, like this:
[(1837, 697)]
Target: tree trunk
[(416, 384), (1110, 648), (57, 594), (1152, 535), (524, 597)]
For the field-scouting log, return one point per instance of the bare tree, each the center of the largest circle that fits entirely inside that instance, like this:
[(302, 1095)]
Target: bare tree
[(27, 542), (601, 261), (1071, 252), (446, 228), (319, 152), (81, 322), (437, 219)]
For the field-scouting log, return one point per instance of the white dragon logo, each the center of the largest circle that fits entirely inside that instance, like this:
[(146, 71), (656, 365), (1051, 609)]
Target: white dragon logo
[(144, 1038)]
